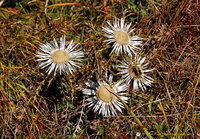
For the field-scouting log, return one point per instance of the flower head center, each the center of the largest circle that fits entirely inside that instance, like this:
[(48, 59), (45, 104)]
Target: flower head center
[(135, 71), (60, 57), (121, 37), (104, 93)]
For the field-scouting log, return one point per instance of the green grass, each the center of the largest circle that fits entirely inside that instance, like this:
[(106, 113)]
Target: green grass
[(34, 105)]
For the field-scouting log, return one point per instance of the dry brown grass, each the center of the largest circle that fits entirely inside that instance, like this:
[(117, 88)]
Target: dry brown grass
[(33, 105)]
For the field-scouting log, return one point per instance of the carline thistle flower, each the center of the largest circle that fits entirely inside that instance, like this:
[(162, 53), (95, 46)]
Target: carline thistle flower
[(59, 58), (120, 35), (136, 71), (102, 96)]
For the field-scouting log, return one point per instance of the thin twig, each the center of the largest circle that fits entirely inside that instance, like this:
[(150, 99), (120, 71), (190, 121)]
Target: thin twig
[(46, 3)]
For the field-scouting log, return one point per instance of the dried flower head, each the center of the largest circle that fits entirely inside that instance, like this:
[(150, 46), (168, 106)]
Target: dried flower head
[(58, 57), (120, 34), (103, 98), (137, 71)]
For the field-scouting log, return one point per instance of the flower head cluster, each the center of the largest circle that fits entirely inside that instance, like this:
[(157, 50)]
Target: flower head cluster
[(132, 70), (104, 95)]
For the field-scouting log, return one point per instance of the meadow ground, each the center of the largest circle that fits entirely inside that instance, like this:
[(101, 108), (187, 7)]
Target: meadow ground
[(34, 105)]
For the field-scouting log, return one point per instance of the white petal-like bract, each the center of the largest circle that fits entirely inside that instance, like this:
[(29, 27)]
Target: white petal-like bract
[(136, 71), (119, 34), (102, 98), (59, 58)]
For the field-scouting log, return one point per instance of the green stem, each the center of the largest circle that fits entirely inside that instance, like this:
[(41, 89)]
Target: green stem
[(136, 119)]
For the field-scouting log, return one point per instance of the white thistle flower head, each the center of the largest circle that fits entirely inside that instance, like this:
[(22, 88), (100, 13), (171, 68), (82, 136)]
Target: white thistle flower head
[(102, 96), (120, 35), (59, 58), (136, 71)]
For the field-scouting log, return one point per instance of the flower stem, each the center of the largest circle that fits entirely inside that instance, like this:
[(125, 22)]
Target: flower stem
[(136, 119)]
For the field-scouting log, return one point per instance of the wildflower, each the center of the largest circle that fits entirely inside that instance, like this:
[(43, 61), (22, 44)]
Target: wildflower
[(103, 98), (59, 58), (138, 134), (120, 34), (136, 71)]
